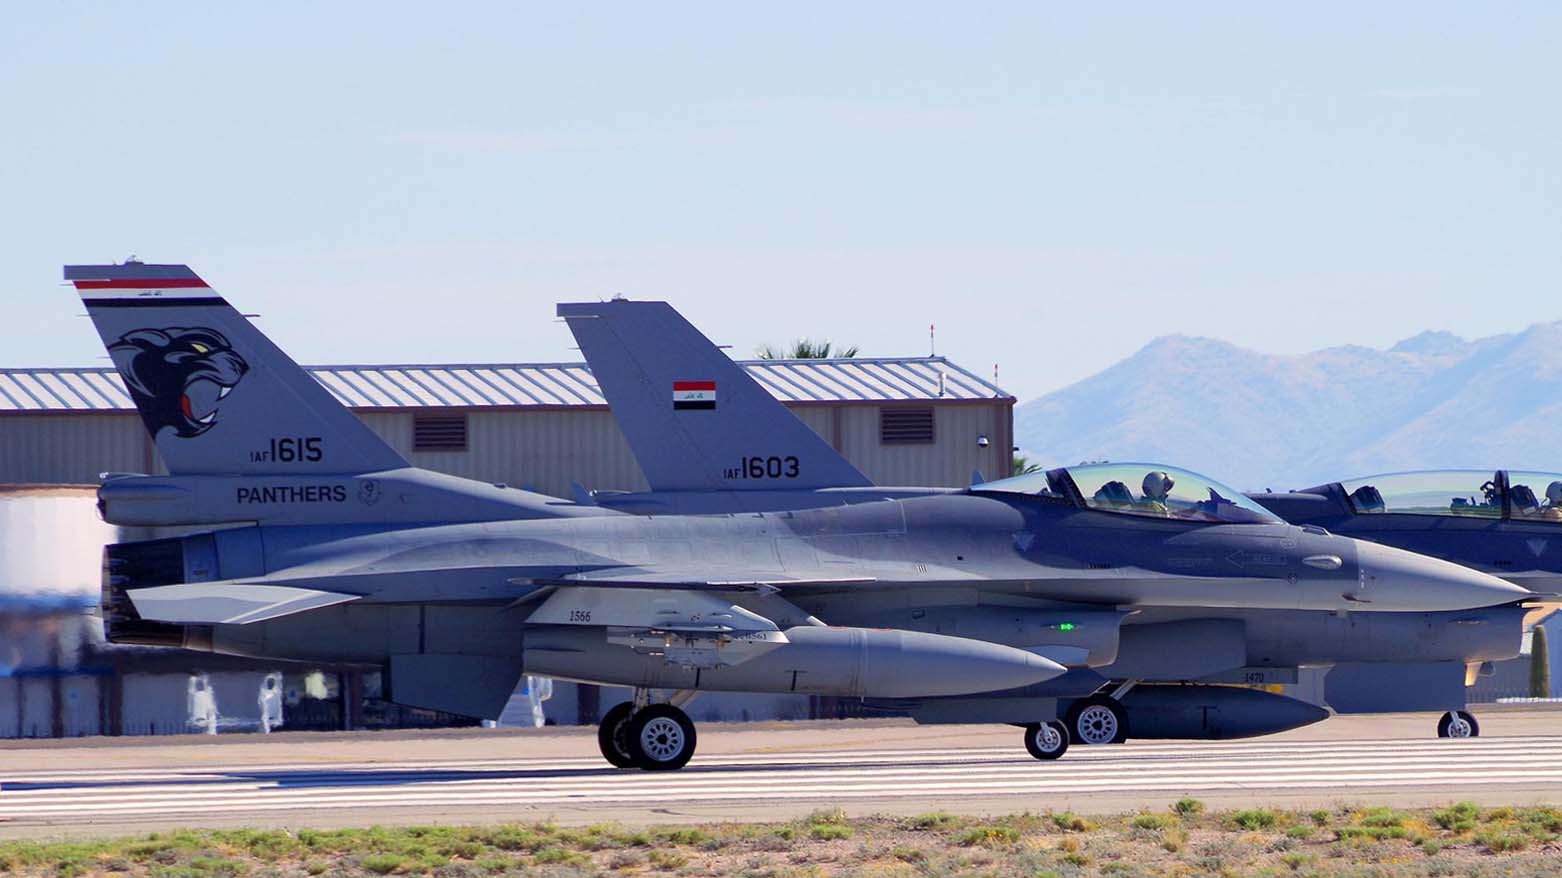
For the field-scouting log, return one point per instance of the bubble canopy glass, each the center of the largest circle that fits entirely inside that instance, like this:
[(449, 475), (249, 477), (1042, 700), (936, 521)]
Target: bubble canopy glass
[(1464, 493), (1535, 496), (1149, 489)]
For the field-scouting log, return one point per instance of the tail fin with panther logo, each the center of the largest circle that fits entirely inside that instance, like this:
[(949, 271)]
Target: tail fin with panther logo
[(216, 395)]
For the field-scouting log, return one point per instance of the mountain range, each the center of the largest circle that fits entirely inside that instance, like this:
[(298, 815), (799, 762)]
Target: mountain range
[(1259, 421)]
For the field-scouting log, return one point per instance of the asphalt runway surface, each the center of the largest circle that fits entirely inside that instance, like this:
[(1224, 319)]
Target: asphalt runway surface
[(757, 772)]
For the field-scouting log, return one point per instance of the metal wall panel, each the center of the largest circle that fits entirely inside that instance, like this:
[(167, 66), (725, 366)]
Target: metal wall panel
[(10, 707), (535, 448), (948, 461), (540, 450), (155, 704), (81, 712), (70, 449)]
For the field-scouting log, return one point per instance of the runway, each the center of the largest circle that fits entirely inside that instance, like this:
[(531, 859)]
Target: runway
[(897, 778)]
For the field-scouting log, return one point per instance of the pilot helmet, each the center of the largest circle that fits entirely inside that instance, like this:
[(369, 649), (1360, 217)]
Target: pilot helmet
[(1554, 493), (1157, 485)]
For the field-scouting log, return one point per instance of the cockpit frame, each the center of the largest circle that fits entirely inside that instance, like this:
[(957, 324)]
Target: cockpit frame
[(1503, 493), (1220, 504)]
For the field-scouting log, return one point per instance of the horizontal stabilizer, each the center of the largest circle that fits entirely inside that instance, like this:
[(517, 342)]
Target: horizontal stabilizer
[(228, 603)]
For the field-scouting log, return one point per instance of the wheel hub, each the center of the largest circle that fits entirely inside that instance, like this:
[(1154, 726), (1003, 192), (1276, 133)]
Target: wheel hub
[(1097, 725), (1458, 728), (1047, 738), (661, 739)]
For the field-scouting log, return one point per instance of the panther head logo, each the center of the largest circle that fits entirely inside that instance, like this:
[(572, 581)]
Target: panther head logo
[(178, 376)]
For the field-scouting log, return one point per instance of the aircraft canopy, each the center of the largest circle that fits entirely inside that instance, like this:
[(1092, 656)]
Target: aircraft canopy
[(1149, 489), (1530, 496)]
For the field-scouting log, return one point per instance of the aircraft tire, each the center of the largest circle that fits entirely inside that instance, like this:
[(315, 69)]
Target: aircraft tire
[(1098, 720), (662, 738), (1046, 741), (1458, 724), (612, 735)]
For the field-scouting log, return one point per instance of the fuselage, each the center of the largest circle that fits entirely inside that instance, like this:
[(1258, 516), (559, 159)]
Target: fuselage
[(1000, 544)]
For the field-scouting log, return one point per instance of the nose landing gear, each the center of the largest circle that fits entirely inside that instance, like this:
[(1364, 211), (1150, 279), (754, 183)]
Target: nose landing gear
[(1458, 724), (1047, 740), (653, 737)]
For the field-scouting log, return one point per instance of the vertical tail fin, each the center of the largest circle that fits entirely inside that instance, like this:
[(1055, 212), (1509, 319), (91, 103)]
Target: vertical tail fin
[(215, 394), (694, 419)]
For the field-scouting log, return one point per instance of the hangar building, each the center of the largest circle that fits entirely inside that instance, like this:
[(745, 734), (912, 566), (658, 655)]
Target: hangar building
[(902, 421)]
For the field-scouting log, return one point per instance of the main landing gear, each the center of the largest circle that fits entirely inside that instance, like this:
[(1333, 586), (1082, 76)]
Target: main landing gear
[(654, 737), (1458, 724), (1100, 719)]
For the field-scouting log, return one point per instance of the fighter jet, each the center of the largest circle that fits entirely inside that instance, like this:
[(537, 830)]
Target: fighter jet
[(337, 550), (1507, 523), (694, 459), (352, 555)]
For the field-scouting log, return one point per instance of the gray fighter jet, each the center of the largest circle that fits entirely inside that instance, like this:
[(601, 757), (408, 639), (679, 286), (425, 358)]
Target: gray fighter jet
[(342, 552), (697, 460), (1507, 523)]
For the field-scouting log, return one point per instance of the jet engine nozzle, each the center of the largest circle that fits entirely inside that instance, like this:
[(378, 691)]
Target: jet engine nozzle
[(1392, 579)]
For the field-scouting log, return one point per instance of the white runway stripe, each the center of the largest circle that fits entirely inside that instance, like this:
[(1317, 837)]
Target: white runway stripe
[(887, 774), (537, 778), (1180, 750)]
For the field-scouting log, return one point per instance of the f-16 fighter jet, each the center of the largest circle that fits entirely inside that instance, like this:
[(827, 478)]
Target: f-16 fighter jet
[(694, 459), (344, 553), (1507, 523)]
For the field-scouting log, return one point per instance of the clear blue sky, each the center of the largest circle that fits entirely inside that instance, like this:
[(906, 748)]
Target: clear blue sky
[(1052, 185)]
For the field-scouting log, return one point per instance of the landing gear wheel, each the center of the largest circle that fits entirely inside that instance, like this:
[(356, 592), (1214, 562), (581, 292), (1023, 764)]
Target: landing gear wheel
[(661, 737), (1098, 720), (1458, 724), (1046, 740), (613, 736)]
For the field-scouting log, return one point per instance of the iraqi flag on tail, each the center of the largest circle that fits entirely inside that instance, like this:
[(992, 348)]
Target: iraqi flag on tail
[(694, 395)]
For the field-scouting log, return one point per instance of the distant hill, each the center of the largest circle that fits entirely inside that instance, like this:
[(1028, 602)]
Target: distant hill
[(1260, 420)]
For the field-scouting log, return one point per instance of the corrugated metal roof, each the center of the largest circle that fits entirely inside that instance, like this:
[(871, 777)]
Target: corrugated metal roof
[(510, 385)]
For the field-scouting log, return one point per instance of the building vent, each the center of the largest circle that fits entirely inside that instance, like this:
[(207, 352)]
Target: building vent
[(905, 425), (439, 432)]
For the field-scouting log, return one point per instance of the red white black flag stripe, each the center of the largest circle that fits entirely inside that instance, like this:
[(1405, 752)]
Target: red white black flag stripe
[(694, 395)]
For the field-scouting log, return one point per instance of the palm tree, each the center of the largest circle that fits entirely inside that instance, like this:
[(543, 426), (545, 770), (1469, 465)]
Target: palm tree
[(1023, 466), (1539, 664), (805, 349)]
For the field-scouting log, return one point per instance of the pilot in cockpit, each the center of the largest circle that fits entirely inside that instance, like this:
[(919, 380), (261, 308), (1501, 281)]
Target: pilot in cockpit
[(1552, 511), (1156, 485)]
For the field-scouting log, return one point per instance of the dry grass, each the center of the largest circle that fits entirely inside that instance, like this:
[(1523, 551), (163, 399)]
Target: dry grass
[(1459, 840)]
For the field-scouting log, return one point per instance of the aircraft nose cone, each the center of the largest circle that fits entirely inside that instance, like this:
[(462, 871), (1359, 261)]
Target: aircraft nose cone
[(1393, 579)]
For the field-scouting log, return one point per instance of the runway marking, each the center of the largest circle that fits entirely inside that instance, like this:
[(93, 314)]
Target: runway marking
[(1137, 750), (82, 794)]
